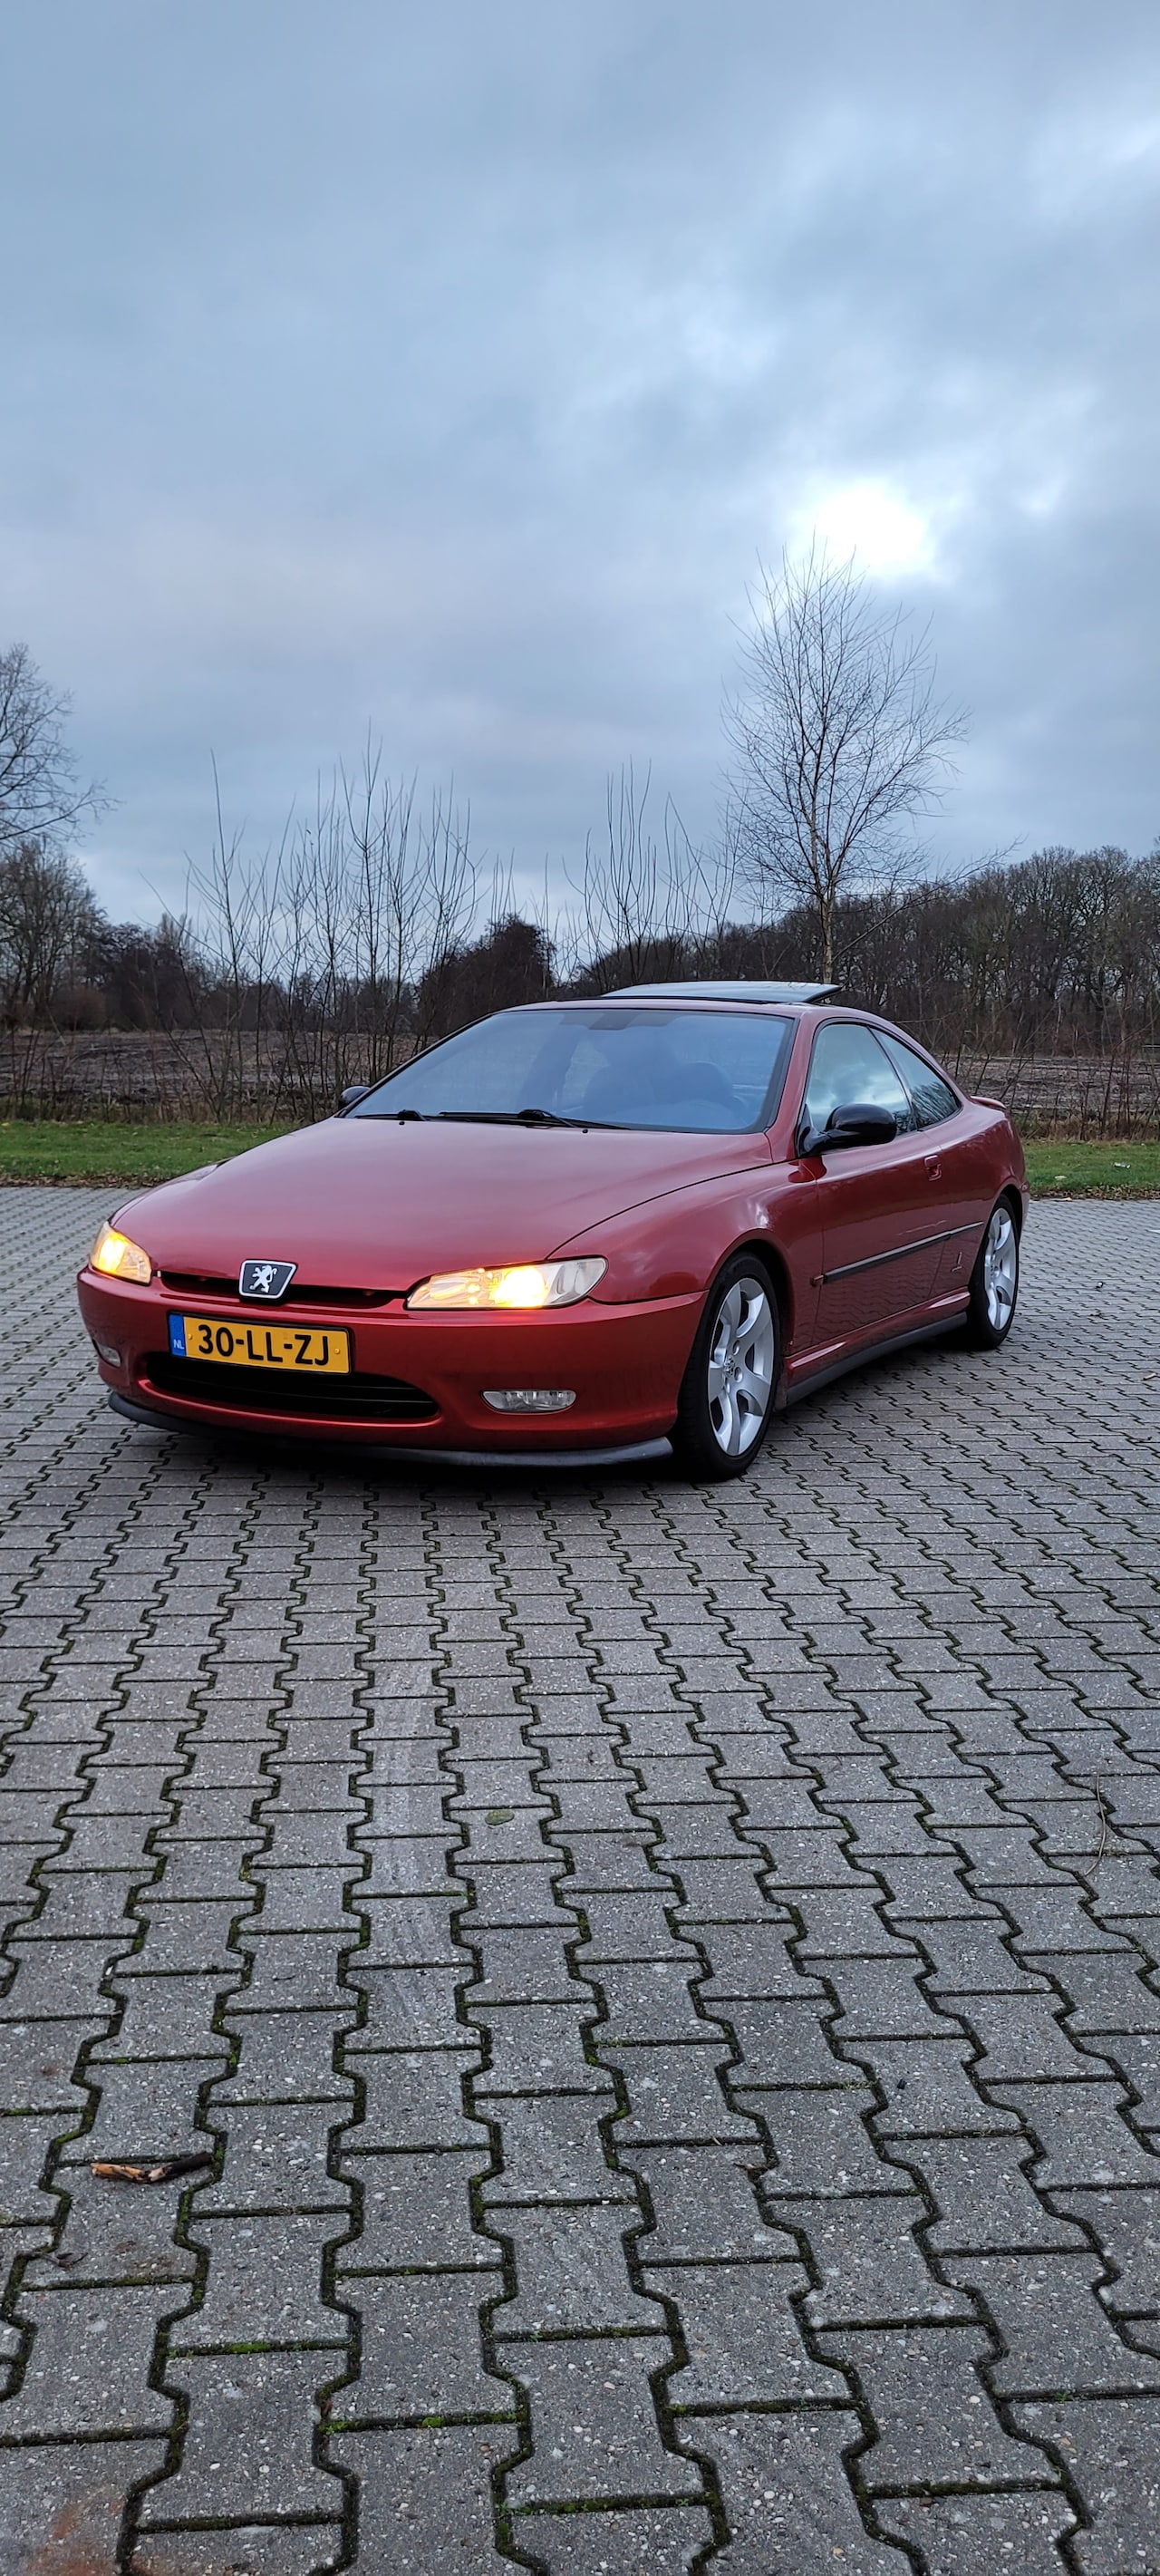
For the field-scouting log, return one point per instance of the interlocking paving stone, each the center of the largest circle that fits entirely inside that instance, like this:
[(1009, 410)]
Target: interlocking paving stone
[(1083, 2131), (928, 2091), (934, 2425), (247, 2451), (246, 2549), (742, 2334), (1054, 2331), (965, 2532), (263, 2284), (277, 2157), (594, 2429), (538, 2047), (983, 2198), (414, 2214), (787, 2495), (870, 2261), (285, 2056), (414, 2100), (61, 2504), (822, 2144), (703, 2206), (1126, 2227), (571, 2272), (36, 2065), (113, 2233), (1109, 2447), (421, 2352), (647, 1960), (553, 2151), (668, 2543), (676, 2097), (89, 2363), (148, 2107), (425, 2497)]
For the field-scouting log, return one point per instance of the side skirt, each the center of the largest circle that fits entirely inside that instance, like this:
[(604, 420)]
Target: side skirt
[(873, 1351)]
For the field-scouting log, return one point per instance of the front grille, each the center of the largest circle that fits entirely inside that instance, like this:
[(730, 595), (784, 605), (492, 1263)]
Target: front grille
[(203, 1283), (356, 1398)]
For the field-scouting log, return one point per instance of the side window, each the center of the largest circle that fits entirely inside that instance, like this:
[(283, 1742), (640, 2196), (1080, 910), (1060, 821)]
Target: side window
[(933, 1098), (849, 1066)]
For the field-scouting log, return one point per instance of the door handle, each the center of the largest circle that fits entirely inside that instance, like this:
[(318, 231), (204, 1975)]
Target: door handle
[(933, 1167)]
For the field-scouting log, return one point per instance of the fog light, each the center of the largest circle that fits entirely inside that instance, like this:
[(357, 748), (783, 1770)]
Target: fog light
[(529, 1399), (106, 1351)]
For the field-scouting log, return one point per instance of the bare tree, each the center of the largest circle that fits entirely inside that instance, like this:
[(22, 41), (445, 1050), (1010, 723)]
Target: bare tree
[(40, 796), (838, 738), (647, 907), (47, 918), (312, 963)]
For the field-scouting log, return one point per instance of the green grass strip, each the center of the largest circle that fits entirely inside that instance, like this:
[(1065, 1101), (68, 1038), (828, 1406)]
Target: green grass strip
[(1111, 1168), (106, 1150)]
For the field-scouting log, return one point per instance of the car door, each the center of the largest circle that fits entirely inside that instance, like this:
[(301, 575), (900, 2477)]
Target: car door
[(957, 1156), (877, 1205)]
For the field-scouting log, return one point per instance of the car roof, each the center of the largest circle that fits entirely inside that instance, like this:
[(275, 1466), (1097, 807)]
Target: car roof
[(747, 989)]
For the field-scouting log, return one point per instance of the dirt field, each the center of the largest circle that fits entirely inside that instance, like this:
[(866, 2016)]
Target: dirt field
[(144, 1074)]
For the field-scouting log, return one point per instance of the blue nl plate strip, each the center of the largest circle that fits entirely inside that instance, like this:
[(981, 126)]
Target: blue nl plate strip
[(177, 1337)]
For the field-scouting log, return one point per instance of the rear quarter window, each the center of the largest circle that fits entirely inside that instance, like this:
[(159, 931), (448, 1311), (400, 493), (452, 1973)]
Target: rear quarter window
[(933, 1098)]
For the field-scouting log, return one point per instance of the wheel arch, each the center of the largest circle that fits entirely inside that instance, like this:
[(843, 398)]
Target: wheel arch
[(768, 1258), (1011, 1196)]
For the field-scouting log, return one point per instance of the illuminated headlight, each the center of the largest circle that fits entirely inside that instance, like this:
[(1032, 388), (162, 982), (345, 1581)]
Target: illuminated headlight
[(116, 1257), (528, 1284), (529, 1399)]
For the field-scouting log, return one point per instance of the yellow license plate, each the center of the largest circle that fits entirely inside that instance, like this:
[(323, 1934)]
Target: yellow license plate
[(254, 1345)]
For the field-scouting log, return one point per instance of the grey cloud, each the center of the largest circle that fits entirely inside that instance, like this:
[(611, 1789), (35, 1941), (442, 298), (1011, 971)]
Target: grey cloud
[(446, 372)]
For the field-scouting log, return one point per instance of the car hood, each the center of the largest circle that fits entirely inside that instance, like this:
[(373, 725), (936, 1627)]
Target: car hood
[(368, 1203)]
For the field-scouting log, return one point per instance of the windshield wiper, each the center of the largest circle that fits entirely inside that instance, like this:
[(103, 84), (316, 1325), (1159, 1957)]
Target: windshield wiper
[(517, 1118)]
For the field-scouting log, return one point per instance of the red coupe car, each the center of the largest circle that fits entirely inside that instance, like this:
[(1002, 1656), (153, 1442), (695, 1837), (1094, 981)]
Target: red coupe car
[(576, 1229)]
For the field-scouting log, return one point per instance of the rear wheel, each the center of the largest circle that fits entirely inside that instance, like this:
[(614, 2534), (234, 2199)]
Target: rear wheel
[(994, 1289), (727, 1394)]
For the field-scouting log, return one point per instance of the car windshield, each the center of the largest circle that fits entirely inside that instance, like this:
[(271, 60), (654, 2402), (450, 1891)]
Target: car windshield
[(601, 1066)]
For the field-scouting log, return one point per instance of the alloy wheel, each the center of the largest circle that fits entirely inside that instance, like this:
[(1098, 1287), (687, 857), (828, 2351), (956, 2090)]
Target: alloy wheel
[(1000, 1268), (740, 1367)]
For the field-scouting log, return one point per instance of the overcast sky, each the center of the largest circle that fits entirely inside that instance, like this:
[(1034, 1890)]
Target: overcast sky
[(446, 370)]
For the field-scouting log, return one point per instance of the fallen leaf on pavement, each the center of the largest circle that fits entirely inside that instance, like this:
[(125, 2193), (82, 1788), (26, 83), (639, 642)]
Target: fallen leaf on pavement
[(166, 2170)]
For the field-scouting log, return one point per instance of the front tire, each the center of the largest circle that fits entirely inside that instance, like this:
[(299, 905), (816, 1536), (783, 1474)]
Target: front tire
[(994, 1289), (727, 1393)]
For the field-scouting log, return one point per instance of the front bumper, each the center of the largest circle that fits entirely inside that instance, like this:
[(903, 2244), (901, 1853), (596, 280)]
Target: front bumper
[(625, 1364), (638, 1453)]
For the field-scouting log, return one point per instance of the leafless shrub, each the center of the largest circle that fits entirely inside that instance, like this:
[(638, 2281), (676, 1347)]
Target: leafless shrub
[(646, 907)]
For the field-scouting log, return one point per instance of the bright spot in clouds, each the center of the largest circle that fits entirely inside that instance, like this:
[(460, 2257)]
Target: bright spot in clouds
[(865, 520)]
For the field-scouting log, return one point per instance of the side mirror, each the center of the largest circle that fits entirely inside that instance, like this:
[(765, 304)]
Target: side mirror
[(355, 1091), (859, 1123)]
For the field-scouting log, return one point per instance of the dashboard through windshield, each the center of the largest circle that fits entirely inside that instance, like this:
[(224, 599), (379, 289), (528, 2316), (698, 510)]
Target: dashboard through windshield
[(715, 1072)]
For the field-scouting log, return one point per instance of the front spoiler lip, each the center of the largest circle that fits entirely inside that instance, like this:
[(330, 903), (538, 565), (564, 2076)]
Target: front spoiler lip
[(637, 1453)]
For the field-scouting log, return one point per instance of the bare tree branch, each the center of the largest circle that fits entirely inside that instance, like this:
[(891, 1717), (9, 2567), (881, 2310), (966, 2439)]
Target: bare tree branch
[(646, 907), (40, 798), (838, 737)]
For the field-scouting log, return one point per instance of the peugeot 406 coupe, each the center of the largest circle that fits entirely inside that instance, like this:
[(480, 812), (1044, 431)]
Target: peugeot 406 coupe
[(576, 1229)]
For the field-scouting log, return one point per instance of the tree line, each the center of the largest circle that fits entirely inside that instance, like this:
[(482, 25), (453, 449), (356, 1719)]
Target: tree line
[(373, 929), (368, 945)]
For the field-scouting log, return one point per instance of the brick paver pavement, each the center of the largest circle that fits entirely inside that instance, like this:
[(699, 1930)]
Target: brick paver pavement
[(669, 1979)]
